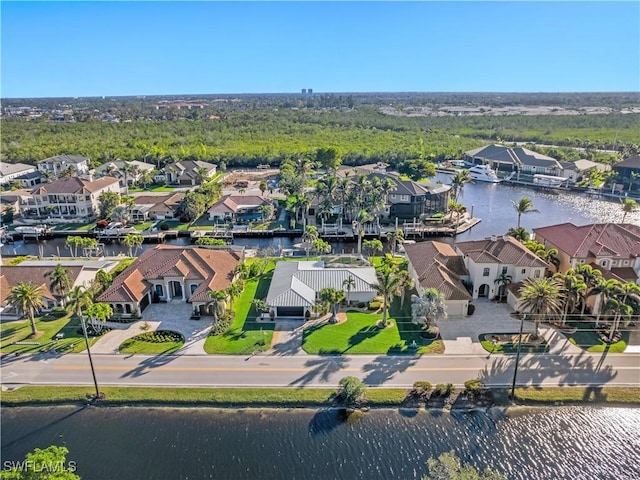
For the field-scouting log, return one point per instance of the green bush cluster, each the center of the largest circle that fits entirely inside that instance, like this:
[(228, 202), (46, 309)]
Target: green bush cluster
[(160, 336), (473, 385), (375, 305), (222, 325), (421, 389)]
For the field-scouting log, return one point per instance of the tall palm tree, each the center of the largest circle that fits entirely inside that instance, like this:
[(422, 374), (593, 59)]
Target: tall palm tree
[(405, 283), (459, 180), (387, 286), (618, 309), (217, 299), (27, 299), (309, 236), (395, 237), (79, 299), (540, 297), (458, 209), (349, 284), (362, 218), (605, 290), (59, 282), (524, 206), (132, 240), (573, 287), (503, 281), (233, 291), (629, 205), (591, 277), (127, 170)]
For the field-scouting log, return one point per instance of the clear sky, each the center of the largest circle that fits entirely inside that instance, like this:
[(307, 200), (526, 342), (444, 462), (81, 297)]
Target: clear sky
[(55, 49)]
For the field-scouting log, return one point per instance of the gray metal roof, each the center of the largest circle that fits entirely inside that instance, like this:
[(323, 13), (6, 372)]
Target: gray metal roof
[(295, 284)]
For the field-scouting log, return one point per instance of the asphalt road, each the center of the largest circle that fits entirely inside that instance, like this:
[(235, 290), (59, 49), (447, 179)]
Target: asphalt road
[(320, 371)]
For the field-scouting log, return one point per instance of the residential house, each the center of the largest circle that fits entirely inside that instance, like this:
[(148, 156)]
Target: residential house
[(12, 199), (629, 169), (170, 273), (156, 207), (612, 248), (437, 265), (186, 172), (238, 208), (68, 198), (11, 171), (29, 180), (488, 259), (295, 287), (56, 166), (509, 159), (116, 169), (34, 272), (574, 171)]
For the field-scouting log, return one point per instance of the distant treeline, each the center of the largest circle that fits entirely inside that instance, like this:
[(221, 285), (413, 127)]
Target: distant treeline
[(248, 135)]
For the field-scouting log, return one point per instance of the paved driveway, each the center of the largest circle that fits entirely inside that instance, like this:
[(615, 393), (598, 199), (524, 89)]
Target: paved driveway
[(173, 316)]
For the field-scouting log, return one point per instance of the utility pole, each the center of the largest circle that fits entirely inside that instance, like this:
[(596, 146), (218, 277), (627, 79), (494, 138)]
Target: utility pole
[(86, 340), (515, 370)]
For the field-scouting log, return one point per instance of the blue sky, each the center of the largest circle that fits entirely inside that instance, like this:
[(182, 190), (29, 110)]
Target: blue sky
[(121, 48)]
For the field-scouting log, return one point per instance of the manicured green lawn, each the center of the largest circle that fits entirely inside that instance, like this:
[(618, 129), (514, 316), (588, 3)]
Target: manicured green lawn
[(246, 335), (19, 331), (85, 227), (143, 226), (134, 345), (586, 338), (360, 334), (511, 347)]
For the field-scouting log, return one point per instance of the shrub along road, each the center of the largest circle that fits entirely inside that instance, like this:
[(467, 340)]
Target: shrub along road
[(320, 371)]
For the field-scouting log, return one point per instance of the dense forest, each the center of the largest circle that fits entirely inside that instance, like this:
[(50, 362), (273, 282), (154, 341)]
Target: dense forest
[(254, 130)]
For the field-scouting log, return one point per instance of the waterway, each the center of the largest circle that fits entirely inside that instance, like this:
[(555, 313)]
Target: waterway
[(576, 443), (490, 202)]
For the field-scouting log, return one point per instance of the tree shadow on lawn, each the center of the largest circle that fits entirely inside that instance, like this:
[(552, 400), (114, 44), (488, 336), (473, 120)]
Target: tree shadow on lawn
[(321, 369)]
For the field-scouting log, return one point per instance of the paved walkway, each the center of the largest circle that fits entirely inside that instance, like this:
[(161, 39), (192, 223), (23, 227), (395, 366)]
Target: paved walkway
[(287, 338), (173, 316)]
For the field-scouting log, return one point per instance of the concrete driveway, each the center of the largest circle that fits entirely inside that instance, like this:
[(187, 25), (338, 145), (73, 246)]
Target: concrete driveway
[(173, 316)]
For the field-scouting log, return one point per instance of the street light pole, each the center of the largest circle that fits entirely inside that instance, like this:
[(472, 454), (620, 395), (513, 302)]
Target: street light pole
[(86, 340), (515, 370)]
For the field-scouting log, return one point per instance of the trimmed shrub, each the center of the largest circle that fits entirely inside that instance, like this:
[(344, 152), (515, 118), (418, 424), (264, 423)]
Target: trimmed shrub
[(222, 324), (375, 305), (350, 390), (473, 385), (159, 336), (421, 389)]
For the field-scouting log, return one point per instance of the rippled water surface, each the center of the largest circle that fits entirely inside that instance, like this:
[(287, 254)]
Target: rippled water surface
[(136, 443)]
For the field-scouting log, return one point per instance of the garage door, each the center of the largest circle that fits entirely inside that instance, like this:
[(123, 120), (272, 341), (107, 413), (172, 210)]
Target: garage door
[(290, 311)]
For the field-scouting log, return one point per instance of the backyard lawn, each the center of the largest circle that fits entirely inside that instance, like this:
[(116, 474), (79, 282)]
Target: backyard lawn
[(246, 335), (143, 226), (19, 331), (360, 334), (84, 227)]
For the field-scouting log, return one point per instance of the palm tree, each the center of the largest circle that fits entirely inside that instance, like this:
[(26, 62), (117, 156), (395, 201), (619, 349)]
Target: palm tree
[(519, 234), (458, 209), (309, 236), (101, 281), (349, 284), (133, 240), (523, 207), (429, 307), (591, 277), (405, 283), (27, 299), (79, 299), (629, 205), (362, 218), (233, 291), (395, 237), (387, 286), (263, 186), (217, 299), (618, 310), (458, 182), (503, 281), (605, 289), (572, 287), (60, 282), (372, 246), (266, 210), (127, 170), (333, 297), (540, 297)]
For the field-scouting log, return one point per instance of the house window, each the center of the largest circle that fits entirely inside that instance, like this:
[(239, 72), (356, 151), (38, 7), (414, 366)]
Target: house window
[(159, 290), (626, 262), (504, 270), (523, 271), (536, 274), (192, 288), (485, 272), (604, 263)]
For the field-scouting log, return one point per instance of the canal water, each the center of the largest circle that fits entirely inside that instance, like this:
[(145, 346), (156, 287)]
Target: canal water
[(573, 443), (490, 202)]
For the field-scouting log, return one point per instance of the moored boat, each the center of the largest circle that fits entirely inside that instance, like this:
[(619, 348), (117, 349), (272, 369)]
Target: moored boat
[(483, 173)]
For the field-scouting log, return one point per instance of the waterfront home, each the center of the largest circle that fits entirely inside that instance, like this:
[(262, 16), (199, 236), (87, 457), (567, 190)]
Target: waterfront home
[(69, 198), (34, 271), (186, 173), (156, 207), (508, 159), (116, 170), (574, 171), (295, 287), (487, 260), (629, 169), (237, 208), (437, 265), (12, 199), (612, 248), (172, 274), (9, 172), (61, 164)]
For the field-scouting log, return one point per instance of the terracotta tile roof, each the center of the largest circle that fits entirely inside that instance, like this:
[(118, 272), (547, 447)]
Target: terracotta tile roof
[(11, 275), (438, 266), (214, 268), (598, 239), (74, 185), (231, 203), (505, 251)]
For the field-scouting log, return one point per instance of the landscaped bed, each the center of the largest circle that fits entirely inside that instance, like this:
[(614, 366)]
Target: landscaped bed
[(245, 335), (587, 337), (508, 343), (360, 334), (158, 342), (62, 334)]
